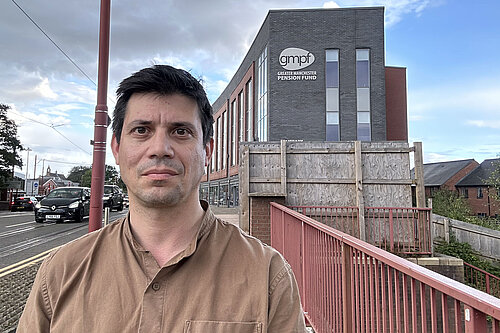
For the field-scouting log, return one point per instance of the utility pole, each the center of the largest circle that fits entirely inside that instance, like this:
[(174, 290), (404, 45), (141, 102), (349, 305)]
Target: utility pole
[(101, 121), (26, 179)]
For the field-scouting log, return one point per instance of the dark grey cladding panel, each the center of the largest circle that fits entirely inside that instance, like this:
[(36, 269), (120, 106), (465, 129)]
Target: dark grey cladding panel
[(297, 108)]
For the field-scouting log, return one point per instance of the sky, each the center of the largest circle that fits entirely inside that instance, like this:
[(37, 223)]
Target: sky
[(449, 47)]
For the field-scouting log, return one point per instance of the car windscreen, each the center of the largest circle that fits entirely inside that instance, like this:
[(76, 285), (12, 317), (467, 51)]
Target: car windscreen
[(64, 193), (108, 190)]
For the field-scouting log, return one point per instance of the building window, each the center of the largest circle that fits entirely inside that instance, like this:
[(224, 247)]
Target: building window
[(241, 111), (219, 143), (234, 113), (224, 140), (213, 161), (464, 192), (332, 95), (249, 110), (363, 94), (479, 192), (262, 112)]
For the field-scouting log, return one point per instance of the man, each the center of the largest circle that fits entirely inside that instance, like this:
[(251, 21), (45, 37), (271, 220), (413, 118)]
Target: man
[(171, 265)]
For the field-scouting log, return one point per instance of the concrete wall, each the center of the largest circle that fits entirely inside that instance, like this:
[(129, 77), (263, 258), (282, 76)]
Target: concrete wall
[(484, 240)]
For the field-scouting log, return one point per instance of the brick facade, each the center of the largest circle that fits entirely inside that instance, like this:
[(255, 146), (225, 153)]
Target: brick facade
[(260, 217)]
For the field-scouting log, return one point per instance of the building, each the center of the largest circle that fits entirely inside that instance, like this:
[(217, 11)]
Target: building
[(445, 175), (312, 75), (52, 180), (478, 191)]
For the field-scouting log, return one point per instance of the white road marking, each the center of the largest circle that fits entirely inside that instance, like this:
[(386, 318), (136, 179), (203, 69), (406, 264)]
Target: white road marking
[(15, 225)]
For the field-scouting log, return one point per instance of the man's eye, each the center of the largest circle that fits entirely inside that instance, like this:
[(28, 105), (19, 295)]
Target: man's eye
[(181, 132), (140, 130)]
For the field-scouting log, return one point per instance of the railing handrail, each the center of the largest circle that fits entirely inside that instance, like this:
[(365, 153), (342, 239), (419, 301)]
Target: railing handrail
[(483, 302), (404, 208), (482, 271)]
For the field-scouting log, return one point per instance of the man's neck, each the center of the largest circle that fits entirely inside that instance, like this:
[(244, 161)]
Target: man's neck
[(165, 231)]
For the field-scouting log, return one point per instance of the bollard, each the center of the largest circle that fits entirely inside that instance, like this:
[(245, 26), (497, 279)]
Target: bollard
[(105, 222)]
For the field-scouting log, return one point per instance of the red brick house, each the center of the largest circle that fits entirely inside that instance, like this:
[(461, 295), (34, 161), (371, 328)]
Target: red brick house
[(445, 175), (475, 188)]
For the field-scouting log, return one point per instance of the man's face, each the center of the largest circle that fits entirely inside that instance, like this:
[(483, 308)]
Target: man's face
[(161, 152)]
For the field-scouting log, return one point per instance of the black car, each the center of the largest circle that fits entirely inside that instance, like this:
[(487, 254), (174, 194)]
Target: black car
[(113, 197), (64, 203), (23, 203)]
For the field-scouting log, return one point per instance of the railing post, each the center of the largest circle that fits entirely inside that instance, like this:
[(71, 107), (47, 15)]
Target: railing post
[(347, 288), (391, 230), (475, 321), (304, 263), (487, 284)]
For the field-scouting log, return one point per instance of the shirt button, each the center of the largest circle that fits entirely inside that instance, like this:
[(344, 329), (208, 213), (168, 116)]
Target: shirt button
[(156, 286)]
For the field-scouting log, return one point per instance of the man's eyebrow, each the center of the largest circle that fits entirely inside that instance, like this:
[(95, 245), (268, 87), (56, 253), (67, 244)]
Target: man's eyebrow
[(139, 122), (183, 124)]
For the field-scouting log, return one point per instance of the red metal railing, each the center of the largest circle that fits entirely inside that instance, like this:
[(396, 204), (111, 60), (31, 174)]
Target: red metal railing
[(482, 280), (398, 230), (348, 285), (345, 219)]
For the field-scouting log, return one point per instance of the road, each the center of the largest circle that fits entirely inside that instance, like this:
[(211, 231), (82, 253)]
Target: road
[(22, 238)]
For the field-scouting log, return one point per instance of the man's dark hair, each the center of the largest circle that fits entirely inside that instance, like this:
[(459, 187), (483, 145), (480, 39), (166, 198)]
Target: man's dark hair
[(162, 80)]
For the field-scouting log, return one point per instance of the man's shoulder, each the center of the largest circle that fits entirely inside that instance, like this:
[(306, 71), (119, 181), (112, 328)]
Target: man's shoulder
[(85, 246)]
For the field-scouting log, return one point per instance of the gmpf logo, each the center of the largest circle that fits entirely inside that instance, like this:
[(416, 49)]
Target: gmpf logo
[(294, 58)]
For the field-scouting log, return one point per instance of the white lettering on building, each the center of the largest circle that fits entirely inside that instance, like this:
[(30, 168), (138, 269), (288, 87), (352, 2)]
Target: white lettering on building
[(293, 58)]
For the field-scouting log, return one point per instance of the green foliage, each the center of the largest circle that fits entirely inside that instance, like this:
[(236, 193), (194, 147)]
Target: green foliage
[(450, 204), (76, 174), (83, 175), (465, 252), (494, 181), (10, 146)]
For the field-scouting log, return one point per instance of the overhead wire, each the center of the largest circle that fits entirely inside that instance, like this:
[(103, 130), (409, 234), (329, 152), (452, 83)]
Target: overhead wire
[(53, 127), (58, 47)]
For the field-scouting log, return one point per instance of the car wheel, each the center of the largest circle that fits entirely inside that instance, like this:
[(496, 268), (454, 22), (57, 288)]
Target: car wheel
[(120, 208), (111, 203), (39, 220), (79, 217)]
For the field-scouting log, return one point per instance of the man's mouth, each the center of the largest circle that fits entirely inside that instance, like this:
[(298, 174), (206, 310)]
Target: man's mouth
[(160, 174)]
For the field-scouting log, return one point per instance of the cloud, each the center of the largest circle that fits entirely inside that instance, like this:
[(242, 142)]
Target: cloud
[(485, 123), (395, 10), (330, 4)]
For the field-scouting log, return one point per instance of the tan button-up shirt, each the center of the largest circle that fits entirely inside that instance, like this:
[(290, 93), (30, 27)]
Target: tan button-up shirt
[(224, 281)]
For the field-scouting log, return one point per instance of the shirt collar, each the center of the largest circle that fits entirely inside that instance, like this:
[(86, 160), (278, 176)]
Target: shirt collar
[(205, 226)]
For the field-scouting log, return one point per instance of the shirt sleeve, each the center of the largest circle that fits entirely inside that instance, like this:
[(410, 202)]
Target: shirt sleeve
[(285, 309), (37, 314)]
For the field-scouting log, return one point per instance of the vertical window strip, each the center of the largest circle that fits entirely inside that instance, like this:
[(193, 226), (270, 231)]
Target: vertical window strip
[(249, 110), (213, 161), (363, 94), (219, 143), (262, 112), (224, 140), (234, 116), (332, 95)]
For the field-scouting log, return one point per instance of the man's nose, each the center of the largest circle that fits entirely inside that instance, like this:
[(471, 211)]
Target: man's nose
[(160, 145)]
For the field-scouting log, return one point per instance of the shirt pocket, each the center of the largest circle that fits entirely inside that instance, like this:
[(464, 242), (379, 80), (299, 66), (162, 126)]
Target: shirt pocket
[(202, 326)]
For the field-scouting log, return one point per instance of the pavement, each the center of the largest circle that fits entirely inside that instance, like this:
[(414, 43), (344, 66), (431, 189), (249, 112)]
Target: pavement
[(16, 282)]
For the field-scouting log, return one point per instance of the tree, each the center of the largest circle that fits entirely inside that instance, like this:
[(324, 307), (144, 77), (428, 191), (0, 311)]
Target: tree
[(111, 176), (494, 180), (76, 173), (450, 204), (10, 146)]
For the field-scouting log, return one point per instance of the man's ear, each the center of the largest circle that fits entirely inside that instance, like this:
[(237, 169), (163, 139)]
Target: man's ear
[(209, 148), (115, 147)]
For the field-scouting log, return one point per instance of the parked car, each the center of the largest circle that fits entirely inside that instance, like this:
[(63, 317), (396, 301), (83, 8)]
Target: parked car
[(125, 201), (64, 203), (23, 203), (113, 197)]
